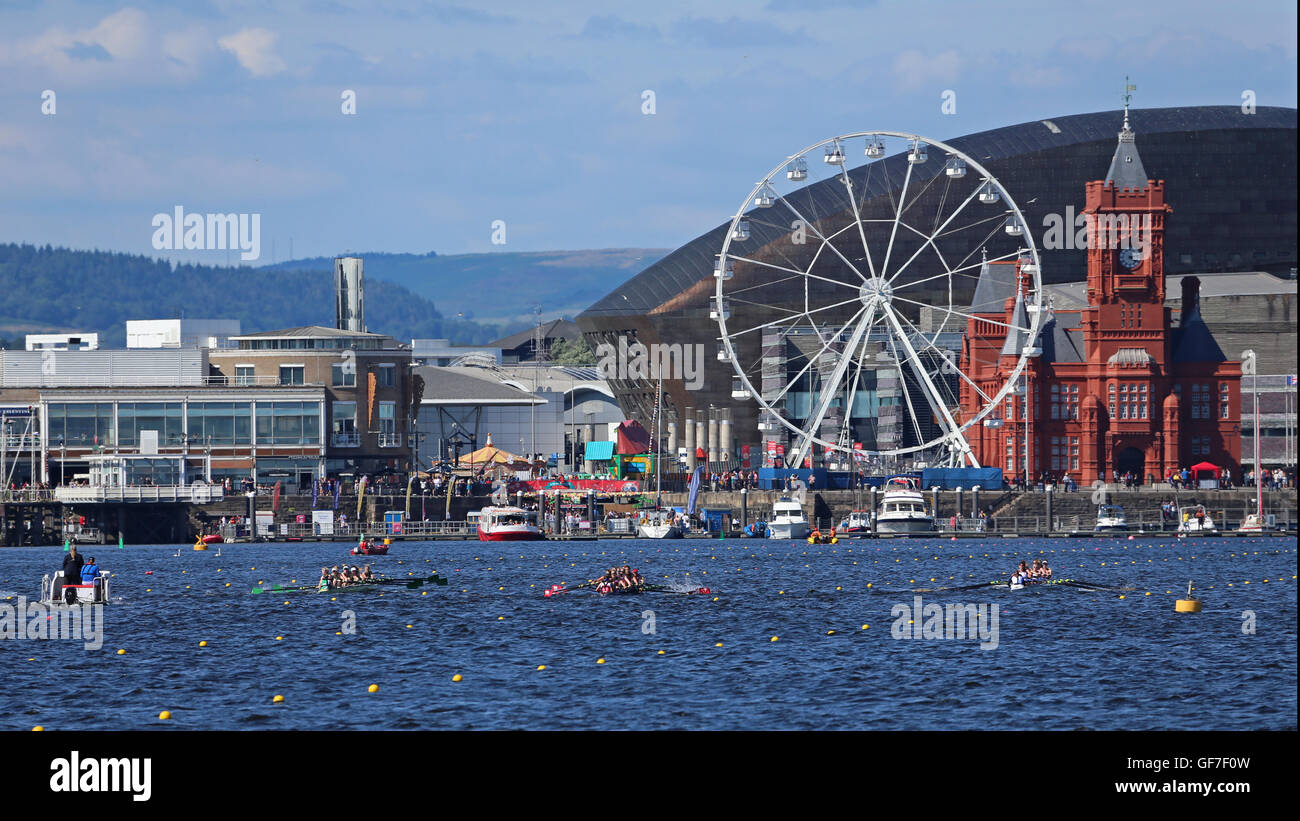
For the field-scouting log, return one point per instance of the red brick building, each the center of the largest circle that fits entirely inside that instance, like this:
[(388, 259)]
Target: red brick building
[(1115, 387)]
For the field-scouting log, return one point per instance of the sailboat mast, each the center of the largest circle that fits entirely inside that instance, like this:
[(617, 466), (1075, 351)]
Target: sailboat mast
[(659, 422)]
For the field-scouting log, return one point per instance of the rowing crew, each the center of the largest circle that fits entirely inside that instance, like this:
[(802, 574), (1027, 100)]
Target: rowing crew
[(619, 579), (334, 577), (1025, 573)]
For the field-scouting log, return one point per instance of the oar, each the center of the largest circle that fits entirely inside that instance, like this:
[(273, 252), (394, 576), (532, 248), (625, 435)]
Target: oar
[(659, 588), (557, 589)]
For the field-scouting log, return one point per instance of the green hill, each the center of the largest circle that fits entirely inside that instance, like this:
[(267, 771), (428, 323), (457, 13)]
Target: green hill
[(45, 289), (502, 287)]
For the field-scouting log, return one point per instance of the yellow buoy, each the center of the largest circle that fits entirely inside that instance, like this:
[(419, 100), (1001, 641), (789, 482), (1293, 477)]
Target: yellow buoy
[(121, 652), (600, 661), (774, 638), (203, 644), (164, 715), (541, 667), (277, 698), (38, 729), (1189, 604), (374, 688), (457, 677)]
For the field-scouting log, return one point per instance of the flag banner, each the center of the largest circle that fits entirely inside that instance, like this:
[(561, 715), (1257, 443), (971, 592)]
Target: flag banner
[(695, 490)]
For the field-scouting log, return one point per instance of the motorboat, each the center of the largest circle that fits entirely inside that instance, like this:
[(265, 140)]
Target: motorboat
[(1110, 519), (902, 508), (787, 520), (857, 523), (1195, 520), (507, 524), (54, 591)]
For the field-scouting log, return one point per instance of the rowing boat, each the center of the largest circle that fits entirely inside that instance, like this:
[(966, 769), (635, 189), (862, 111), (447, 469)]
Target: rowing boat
[(409, 584), (557, 589)]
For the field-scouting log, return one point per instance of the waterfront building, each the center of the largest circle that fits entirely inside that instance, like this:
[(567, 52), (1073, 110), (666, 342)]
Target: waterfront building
[(367, 383), (567, 407), (1113, 387), (1236, 215)]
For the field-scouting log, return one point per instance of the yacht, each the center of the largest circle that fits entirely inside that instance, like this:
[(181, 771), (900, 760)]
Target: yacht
[(902, 508), (1110, 518), (787, 521)]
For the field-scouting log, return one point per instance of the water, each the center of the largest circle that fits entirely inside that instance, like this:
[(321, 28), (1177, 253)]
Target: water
[(1065, 659)]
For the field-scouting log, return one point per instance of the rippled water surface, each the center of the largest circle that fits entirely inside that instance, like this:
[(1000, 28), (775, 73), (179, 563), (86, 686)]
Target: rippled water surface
[(1065, 658)]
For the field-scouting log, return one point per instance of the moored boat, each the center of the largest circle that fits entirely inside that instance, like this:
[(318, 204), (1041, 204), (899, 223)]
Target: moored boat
[(787, 520), (507, 524), (902, 508), (658, 524), (1110, 518), (857, 523), (1194, 520)]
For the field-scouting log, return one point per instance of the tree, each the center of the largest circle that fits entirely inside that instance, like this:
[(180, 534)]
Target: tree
[(572, 352)]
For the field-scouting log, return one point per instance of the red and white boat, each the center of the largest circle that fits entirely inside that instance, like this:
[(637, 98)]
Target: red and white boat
[(507, 524)]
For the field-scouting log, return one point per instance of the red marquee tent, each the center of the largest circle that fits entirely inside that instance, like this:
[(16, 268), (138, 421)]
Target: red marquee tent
[(1204, 467)]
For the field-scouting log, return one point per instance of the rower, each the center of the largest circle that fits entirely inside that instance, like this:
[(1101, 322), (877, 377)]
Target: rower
[(1047, 571), (324, 583), (366, 575)]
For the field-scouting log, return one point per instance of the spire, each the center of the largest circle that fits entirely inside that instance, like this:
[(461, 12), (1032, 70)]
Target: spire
[(1126, 169), (1016, 338)]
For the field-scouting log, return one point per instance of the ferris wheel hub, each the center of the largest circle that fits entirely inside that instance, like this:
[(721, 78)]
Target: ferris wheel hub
[(875, 291)]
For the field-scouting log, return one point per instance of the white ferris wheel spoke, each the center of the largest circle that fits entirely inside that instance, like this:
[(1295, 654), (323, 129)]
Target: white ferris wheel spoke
[(830, 386), (937, 403), (793, 314), (966, 316)]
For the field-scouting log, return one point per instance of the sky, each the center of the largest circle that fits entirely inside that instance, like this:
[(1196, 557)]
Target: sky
[(529, 122)]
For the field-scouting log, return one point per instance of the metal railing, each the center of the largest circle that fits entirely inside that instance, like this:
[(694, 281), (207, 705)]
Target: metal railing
[(345, 440), (390, 440), (27, 495), (256, 381), (93, 494)]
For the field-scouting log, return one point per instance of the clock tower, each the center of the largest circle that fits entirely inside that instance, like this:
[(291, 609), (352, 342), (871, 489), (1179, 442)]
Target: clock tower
[(1125, 218)]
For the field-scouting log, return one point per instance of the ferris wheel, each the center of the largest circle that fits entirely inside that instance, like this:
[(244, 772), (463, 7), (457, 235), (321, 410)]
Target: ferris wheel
[(843, 295)]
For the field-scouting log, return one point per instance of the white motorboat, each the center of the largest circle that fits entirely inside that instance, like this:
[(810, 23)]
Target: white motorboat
[(1110, 519), (1195, 520), (658, 524), (787, 520), (902, 508), (857, 523), (54, 591)]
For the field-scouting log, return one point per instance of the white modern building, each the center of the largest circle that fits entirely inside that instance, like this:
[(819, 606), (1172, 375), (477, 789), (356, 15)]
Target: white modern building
[(181, 333), (63, 342)]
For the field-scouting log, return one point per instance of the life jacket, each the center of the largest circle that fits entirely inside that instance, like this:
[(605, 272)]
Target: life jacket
[(88, 573)]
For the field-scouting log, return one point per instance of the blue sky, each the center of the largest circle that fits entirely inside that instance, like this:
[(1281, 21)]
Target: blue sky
[(531, 113)]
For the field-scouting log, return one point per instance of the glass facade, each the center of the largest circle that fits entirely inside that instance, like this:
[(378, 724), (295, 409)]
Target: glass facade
[(288, 423), (217, 424), (164, 417), (81, 424)]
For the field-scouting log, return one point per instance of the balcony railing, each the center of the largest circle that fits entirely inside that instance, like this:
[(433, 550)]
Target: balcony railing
[(257, 381), (390, 440), (345, 440)]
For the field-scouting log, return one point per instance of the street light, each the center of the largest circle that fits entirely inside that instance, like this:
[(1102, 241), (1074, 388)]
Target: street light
[(1249, 368)]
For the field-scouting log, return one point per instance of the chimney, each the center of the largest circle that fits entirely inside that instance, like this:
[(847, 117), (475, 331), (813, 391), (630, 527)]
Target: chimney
[(1191, 303)]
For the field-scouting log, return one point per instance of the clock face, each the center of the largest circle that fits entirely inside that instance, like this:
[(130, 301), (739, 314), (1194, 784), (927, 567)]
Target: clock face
[(1130, 258)]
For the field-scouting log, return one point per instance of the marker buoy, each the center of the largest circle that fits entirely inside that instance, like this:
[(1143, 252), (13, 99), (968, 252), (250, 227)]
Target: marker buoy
[(1189, 604)]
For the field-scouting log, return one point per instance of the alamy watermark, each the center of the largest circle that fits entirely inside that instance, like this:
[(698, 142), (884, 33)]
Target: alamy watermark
[(208, 232), (951, 621), (651, 362), (38, 621), (1071, 231)]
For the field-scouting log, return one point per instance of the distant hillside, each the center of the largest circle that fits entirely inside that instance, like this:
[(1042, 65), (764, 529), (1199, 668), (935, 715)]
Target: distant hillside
[(502, 287), (50, 289)]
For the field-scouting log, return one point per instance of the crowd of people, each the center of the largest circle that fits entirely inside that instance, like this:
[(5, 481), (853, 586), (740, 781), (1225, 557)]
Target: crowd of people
[(332, 578)]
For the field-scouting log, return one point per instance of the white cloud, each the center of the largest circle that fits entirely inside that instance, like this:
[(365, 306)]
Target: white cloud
[(253, 49)]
